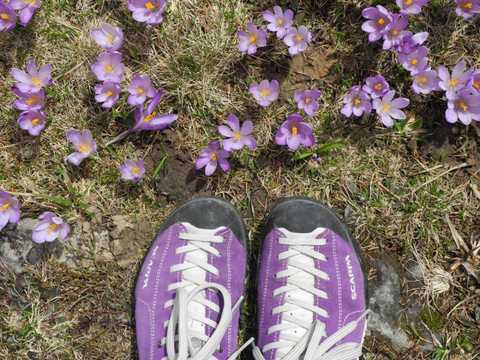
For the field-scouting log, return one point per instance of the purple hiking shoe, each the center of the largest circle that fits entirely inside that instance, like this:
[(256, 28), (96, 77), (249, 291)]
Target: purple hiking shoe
[(311, 286), (191, 283)]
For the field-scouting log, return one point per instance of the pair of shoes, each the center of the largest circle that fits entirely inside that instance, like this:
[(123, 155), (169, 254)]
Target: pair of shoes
[(311, 291)]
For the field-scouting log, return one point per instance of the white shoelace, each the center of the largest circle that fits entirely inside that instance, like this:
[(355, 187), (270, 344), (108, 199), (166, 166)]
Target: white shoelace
[(190, 303), (300, 285)]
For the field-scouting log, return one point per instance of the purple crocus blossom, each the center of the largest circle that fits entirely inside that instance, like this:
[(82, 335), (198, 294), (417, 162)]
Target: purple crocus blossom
[(108, 37), (50, 227), (409, 42), (416, 61), (376, 86), (389, 108), (26, 8), (378, 22), (132, 170), (475, 82), (279, 21), (252, 39), (147, 118), (294, 132), (456, 81), (465, 106), (425, 82), (411, 7), (107, 94), (109, 67), (212, 156), (8, 17), (147, 11), (467, 8), (395, 33), (356, 102), (140, 88), (33, 121), (307, 100), (237, 136), (34, 79), (265, 92), (28, 101), (83, 143), (297, 40), (9, 209)]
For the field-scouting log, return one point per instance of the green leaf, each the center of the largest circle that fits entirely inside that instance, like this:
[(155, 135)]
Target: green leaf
[(160, 166)]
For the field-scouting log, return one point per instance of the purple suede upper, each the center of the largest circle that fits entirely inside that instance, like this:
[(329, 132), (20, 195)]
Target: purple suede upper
[(152, 293), (345, 289)]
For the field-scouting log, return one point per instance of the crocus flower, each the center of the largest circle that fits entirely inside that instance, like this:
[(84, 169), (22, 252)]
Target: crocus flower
[(33, 121), (147, 11), (212, 156), (9, 209), (297, 40), (148, 118), (107, 93), (456, 81), (378, 22), (467, 8), (475, 82), (28, 101), (389, 108), (132, 170), (265, 92), (409, 42), (416, 61), (279, 21), (465, 106), (252, 39), (294, 132), (83, 143), (108, 37), (109, 67), (395, 33), (140, 88), (34, 79), (356, 102), (237, 136), (425, 82), (8, 18), (307, 100), (50, 227), (376, 86), (26, 8), (411, 7)]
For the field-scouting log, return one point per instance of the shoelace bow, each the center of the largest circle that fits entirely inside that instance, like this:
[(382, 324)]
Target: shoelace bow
[(314, 345), (179, 340)]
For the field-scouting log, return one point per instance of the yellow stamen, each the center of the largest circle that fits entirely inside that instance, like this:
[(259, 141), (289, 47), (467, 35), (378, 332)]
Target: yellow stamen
[(136, 170), (299, 38), (150, 117), (357, 101), (33, 100), (140, 91), (378, 86), (5, 207), (414, 62), (150, 6), (476, 84), (461, 104), (468, 5), (35, 121), (408, 2), (308, 100), (294, 130), (108, 68), (394, 32), (213, 157), (453, 82), (109, 93), (381, 21), (237, 136), (386, 107), (280, 22), (422, 80), (84, 148), (4, 16), (52, 228), (110, 38), (253, 39), (36, 81), (264, 92)]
